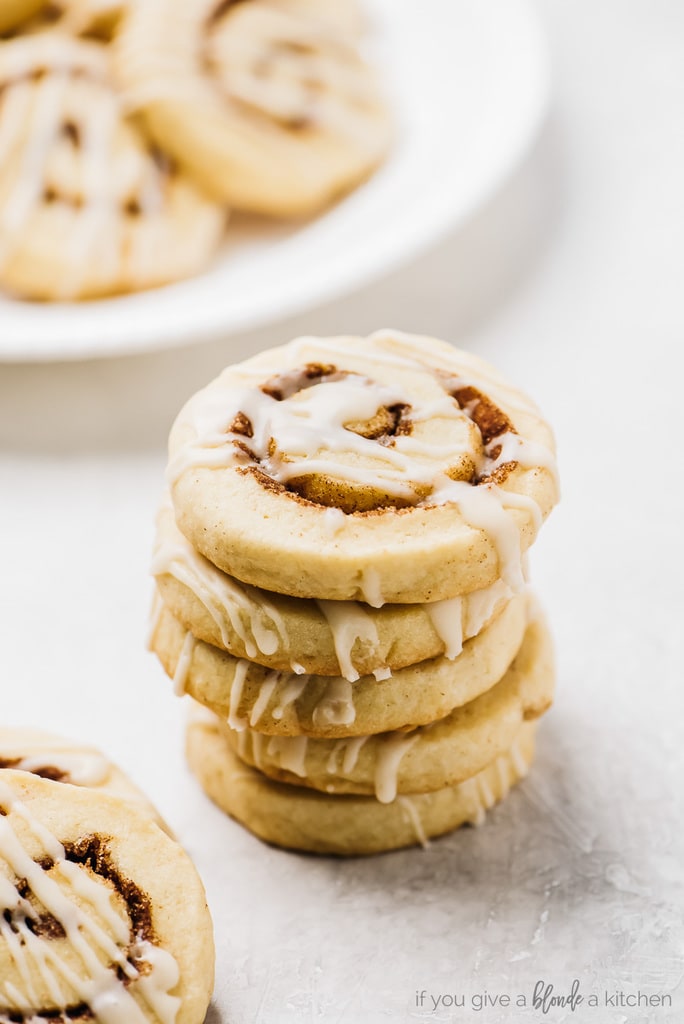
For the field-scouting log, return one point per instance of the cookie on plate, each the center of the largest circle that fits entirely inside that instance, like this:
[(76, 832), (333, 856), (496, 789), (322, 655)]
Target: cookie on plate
[(268, 105), (87, 206)]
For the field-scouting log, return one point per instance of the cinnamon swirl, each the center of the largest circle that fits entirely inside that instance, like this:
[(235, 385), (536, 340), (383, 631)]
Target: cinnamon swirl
[(102, 916)]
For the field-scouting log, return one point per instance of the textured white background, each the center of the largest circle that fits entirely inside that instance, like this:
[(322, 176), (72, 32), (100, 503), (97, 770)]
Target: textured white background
[(571, 281)]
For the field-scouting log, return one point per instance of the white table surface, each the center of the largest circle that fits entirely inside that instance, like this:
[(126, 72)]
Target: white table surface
[(571, 281)]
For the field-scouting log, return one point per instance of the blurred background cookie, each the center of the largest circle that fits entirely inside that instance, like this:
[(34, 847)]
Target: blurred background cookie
[(269, 106), (87, 206)]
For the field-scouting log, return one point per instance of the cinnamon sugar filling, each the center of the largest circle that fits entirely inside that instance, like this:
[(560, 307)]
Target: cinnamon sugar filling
[(388, 423)]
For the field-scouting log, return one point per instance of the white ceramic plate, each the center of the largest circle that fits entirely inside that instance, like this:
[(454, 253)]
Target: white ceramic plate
[(469, 81)]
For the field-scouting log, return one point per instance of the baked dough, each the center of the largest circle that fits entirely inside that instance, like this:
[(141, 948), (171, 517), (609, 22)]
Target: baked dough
[(304, 819), (103, 916), (75, 764), (287, 704), (268, 105), (419, 760), (13, 12), (87, 207), (289, 634), (392, 468)]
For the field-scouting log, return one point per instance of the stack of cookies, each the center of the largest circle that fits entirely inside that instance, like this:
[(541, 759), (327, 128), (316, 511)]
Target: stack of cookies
[(341, 589), (129, 130)]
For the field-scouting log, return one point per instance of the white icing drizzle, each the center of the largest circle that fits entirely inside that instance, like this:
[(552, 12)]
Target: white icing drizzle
[(411, 814), (237, 686), (80, 769), (105, 980), (336, 706), (485, 790), (265, 693), (292, 692), (44, 101), (519, 762), (349, 748), (370, 587), (447, 619), (94, 235), (333, 521), (242, 739), (382, 673), (258, 743), (458, 619), (290, 753), (390, 753), (479, 606), (479, 814), (228, 602), (180, 675), (349, 623), (481, 507), (298, 669)]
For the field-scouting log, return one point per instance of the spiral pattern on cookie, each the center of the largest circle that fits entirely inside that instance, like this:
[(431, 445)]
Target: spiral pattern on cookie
[(267, 103), (80, 925), (86, 207), (55, 900), (419, 473)]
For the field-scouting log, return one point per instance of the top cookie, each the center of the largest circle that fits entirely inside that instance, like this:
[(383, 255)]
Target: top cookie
[(393, 468)]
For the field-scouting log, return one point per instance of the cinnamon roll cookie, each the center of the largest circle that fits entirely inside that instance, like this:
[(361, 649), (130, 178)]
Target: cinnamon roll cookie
[(295, 635), (385, 469), (76, 764), (288, 704), (87, 207), (268, 104), (420, 760), (305, 819), (102, 916)]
